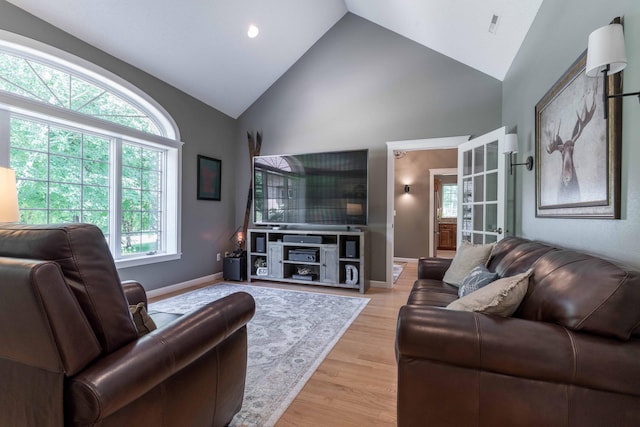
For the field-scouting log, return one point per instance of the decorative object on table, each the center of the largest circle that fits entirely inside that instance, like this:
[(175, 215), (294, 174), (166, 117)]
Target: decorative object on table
[(254, 150), (351, 274), (238, 238), (209, 178), (304, 273), (278, 368), (577, 150), (261, 266)]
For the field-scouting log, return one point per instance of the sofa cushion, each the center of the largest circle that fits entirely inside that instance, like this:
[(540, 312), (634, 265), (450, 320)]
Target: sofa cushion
[(467, 257), (583, 293), (514, 255), (479, 277), (501, 297)]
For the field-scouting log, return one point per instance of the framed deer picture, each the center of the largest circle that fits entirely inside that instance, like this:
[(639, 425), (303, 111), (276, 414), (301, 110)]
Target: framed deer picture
[(577, 149)]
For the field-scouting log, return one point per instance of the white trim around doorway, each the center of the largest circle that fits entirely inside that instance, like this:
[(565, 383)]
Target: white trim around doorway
[(408, 145)]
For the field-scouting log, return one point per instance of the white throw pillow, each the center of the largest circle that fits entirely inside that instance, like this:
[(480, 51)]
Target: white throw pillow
[(467, 257), (501, 297)]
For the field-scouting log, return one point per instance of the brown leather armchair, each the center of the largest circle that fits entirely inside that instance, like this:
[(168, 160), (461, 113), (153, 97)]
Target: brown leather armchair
[(70, 353)]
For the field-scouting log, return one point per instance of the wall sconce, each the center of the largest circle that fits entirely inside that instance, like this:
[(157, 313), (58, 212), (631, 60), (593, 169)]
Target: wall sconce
[(406, 188), (510, 148), (8, 196), (606, 54)]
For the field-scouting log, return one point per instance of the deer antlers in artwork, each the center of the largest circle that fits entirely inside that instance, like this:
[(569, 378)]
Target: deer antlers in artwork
[(570, 189)]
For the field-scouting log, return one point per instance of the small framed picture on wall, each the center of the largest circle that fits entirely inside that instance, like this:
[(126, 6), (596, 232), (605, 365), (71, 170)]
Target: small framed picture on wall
[(209, 178)]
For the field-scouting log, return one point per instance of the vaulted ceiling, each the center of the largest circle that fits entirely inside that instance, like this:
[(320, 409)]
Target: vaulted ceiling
[(201, 46)]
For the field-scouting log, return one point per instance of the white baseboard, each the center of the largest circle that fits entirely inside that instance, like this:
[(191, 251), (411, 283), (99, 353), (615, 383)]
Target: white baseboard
[(380, 284), (411, 260), (184, 285)]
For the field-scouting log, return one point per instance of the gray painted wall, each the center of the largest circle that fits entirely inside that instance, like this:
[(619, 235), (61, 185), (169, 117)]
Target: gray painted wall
[(411, 226), (558, 36), (361, 86), (206, 225)]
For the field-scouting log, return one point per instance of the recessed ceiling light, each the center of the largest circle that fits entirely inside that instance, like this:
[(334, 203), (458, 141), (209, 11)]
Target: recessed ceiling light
[(253, 31)]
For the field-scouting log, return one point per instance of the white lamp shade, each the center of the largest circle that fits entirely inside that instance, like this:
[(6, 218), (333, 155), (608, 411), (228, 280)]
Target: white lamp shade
[(510, 143), (606, 47), (8, 196)]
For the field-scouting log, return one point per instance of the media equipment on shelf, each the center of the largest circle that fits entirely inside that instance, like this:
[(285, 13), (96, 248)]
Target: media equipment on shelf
[(301, 238), (350, 249), (305, 255), (318, 188), (260, 244)]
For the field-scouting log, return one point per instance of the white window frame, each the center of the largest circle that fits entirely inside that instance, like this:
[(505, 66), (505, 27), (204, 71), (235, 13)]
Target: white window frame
[(168, 140)]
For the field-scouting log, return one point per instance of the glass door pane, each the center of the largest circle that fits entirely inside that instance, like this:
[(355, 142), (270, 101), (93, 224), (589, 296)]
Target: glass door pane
[(482, 188)]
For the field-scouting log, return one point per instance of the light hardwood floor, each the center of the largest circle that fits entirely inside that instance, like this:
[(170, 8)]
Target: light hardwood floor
[(356, 384)]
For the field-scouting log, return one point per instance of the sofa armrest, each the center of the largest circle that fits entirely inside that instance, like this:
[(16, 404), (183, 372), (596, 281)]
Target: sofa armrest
[(433, 268), (134, 292), (517, 348), (133, 370)]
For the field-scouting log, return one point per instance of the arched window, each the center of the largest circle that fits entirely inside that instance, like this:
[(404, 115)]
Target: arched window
[(88, 146)]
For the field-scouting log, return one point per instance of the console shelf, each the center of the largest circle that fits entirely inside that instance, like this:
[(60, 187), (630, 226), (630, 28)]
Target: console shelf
[(310, 257)]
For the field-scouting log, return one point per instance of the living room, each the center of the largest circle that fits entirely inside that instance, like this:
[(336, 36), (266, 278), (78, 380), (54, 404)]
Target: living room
[(359, 87)]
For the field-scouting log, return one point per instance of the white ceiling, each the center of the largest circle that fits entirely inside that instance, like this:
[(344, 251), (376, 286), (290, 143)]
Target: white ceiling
[(201, 46)]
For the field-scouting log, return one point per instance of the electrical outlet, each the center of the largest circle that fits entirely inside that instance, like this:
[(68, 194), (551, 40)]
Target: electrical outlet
[(219, 257)]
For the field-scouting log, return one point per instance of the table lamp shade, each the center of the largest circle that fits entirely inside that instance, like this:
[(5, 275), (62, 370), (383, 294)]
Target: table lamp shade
[(8, 196)]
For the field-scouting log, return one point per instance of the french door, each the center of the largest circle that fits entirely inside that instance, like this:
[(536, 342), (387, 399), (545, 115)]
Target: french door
[(482, 188)]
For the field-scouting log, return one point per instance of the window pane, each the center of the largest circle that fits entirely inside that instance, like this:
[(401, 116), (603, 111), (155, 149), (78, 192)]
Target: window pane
[(95, 198), (55, 183), (28, 134), (131, 178), (32, 195), (64, 169), (30, 164), (64, 196), (63, 141), (96, 148), (131, 156), (450, 200), (38, 81)]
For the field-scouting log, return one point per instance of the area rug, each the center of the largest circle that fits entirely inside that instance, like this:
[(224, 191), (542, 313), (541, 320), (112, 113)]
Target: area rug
[(397, 270), (289, 336)]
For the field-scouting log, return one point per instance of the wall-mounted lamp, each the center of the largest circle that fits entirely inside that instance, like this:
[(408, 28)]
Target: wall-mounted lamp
[(8, 196), (406, 188), (510, 148), (606, 54)]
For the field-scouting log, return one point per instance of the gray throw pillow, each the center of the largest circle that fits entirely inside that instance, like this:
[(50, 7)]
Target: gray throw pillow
[(480, 276)]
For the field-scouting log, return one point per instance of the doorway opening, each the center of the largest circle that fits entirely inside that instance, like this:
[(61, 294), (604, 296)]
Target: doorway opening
[(443, 212), (410, 145)]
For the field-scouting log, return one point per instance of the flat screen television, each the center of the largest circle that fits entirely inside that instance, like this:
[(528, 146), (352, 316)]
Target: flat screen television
[(318, 188)]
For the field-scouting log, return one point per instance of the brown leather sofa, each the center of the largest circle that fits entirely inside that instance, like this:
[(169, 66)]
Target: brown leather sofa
[(70, 353), (569, 356)]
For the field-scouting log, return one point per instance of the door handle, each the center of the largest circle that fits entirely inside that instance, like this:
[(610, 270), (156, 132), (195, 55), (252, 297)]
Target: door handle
[(498, 230)]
